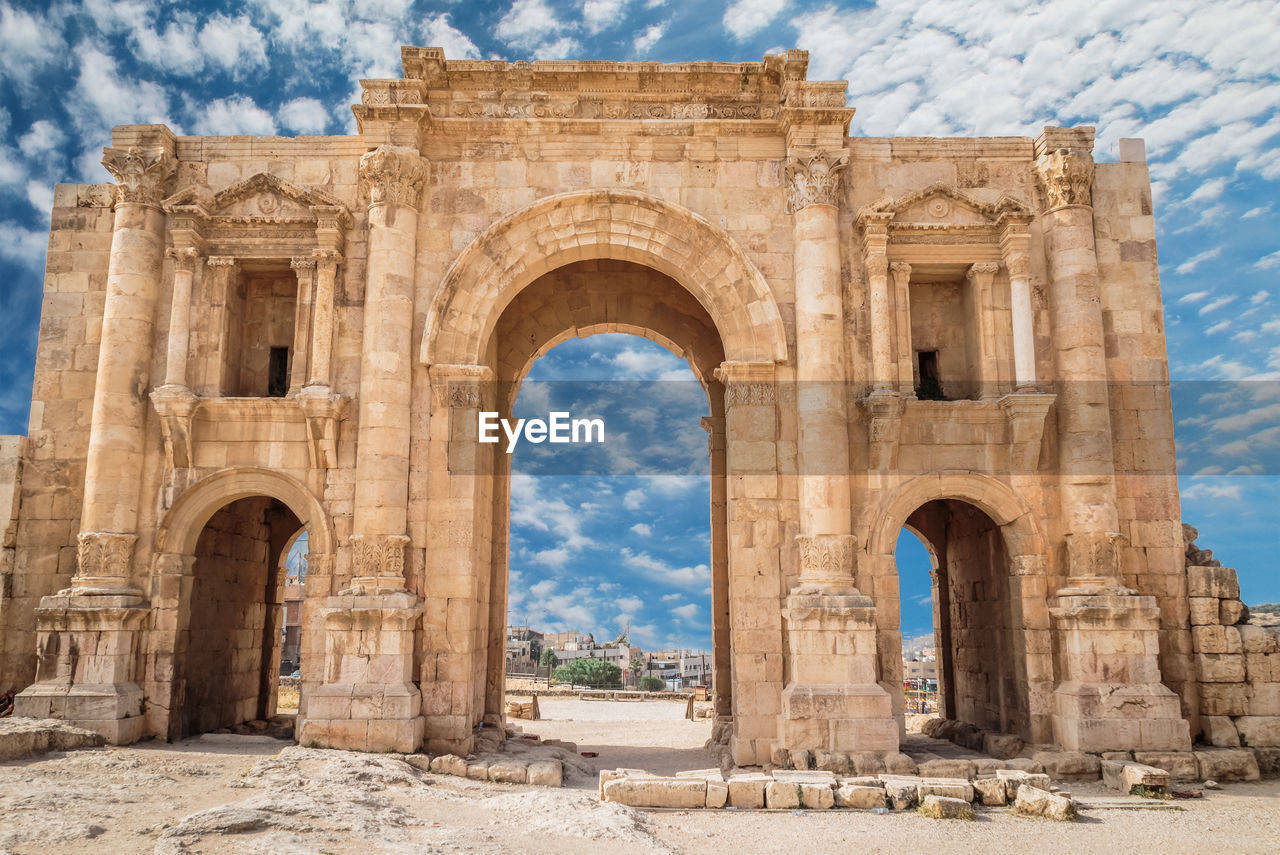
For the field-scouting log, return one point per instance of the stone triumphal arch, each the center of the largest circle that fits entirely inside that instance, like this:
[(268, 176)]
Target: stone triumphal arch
[(246, 338)]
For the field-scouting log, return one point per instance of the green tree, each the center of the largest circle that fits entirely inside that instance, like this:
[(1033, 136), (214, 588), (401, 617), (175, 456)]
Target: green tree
[(549, 660), (651, 683), (636, 665), (590, 672)]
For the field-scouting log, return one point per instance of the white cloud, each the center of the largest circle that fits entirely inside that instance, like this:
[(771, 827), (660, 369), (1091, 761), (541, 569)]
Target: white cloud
[(634, 500), (599, 14), (644, 42), (1220, 326), (174, 50), (561, 48), (642, 529), (745, 18), (527, 24), (1267, 262), (1206, 191), (40, 138), (438, 32), (1194, 261), (672, 598), (686, 612), (27, 42), (104, 98), (1259, 298), (304, 115), (1217, 304), (23, 245), (1256, 212), (629, 605), (1193, 297), (232, 116), (233, 43), (40, 195), (660, 571), (530, 508)]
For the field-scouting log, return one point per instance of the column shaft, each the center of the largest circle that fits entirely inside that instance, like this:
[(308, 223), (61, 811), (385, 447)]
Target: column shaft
[(322, 320), (306, 272), (180, 317), (1014, 246)]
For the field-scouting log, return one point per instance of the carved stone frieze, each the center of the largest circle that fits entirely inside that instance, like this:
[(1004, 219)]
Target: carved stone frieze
[(140, 175), (1067, 175), (814, 179), (104, 554), (827, 556), (395, 175), (378, 556), (750, 395)]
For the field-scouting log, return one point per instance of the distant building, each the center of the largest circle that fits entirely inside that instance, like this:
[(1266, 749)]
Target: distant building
[(916, 669)]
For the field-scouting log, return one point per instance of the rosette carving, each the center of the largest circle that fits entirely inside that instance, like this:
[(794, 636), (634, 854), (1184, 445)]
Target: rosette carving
[(140, 175), (394, 174), (1067, 174), (814, 179)]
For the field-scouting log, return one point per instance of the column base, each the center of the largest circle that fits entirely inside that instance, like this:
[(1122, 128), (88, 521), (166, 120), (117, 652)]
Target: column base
[(849, 719), (112, 709), (364, 717), (87, 646), (1112, 699)]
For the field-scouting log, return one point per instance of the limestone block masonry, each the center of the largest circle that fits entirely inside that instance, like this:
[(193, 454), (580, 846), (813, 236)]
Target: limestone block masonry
[(245, 338)]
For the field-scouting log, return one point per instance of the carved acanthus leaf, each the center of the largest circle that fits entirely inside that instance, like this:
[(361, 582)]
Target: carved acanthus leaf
[(104, 553), (395, 175), (827, 556), (140, 175), (814, 179), (1067, 174)]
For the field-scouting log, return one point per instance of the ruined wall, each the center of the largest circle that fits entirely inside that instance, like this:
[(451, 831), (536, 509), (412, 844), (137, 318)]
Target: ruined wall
[(1237, 664)]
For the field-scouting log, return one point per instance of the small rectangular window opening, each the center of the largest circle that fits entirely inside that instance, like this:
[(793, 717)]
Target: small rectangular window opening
[(278, 372), (930, 388)]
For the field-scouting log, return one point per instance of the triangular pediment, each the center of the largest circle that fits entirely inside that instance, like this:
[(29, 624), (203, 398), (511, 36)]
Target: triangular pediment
[(265, 195), (941, 204)]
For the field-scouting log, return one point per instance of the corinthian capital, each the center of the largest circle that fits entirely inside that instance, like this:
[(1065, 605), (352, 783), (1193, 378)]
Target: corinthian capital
[(140, 175), (814, 179), (1067, 174), (394, 174)]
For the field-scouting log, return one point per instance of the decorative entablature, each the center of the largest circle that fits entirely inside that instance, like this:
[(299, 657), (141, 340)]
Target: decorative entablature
[(940, 219), (753, 92), (261, 217)]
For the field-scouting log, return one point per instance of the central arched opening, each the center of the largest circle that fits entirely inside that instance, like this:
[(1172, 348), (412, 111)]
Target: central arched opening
[(237, 633), (615, 551)]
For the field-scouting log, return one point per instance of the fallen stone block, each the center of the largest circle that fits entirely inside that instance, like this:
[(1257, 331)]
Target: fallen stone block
[(449, 764), (1069, 765), (899, 764), (902, 794), (941, 807), (657, 792), (508, 772), (747, 791), (1228, 764), (790, 794), (1023, 764), (1259, 731), (867, 763), (991, 791), (969, 736), (717, 794), (985, 767), (832, 761), (1015, 779), (546, 773), (860, 796), (1219, 731), (800, 760), (1181, 765), (1268, 761), (931, 726), (947, 788), (478, 770), (962, 769), (22, 736), (1136, 779), (607, 775), (1036, 802), (571, 747), (1002, 745)]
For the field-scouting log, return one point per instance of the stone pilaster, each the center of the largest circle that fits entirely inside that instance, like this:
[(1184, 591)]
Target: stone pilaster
[(980, 278), (833, 701), (394, 179), (185, 260), (901, 272), (1015, 248), (327, 262), (305, 268), (1084, 418)]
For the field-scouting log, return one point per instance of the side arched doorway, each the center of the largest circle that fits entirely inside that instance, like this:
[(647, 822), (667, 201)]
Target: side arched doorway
[(219, 616), (576, 265), (992, 629)]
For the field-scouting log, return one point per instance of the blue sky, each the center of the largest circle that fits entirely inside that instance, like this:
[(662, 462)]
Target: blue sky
[(1200, 81)]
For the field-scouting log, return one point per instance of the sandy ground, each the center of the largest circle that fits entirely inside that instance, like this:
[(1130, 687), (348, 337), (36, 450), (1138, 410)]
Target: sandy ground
[(245, 795)]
